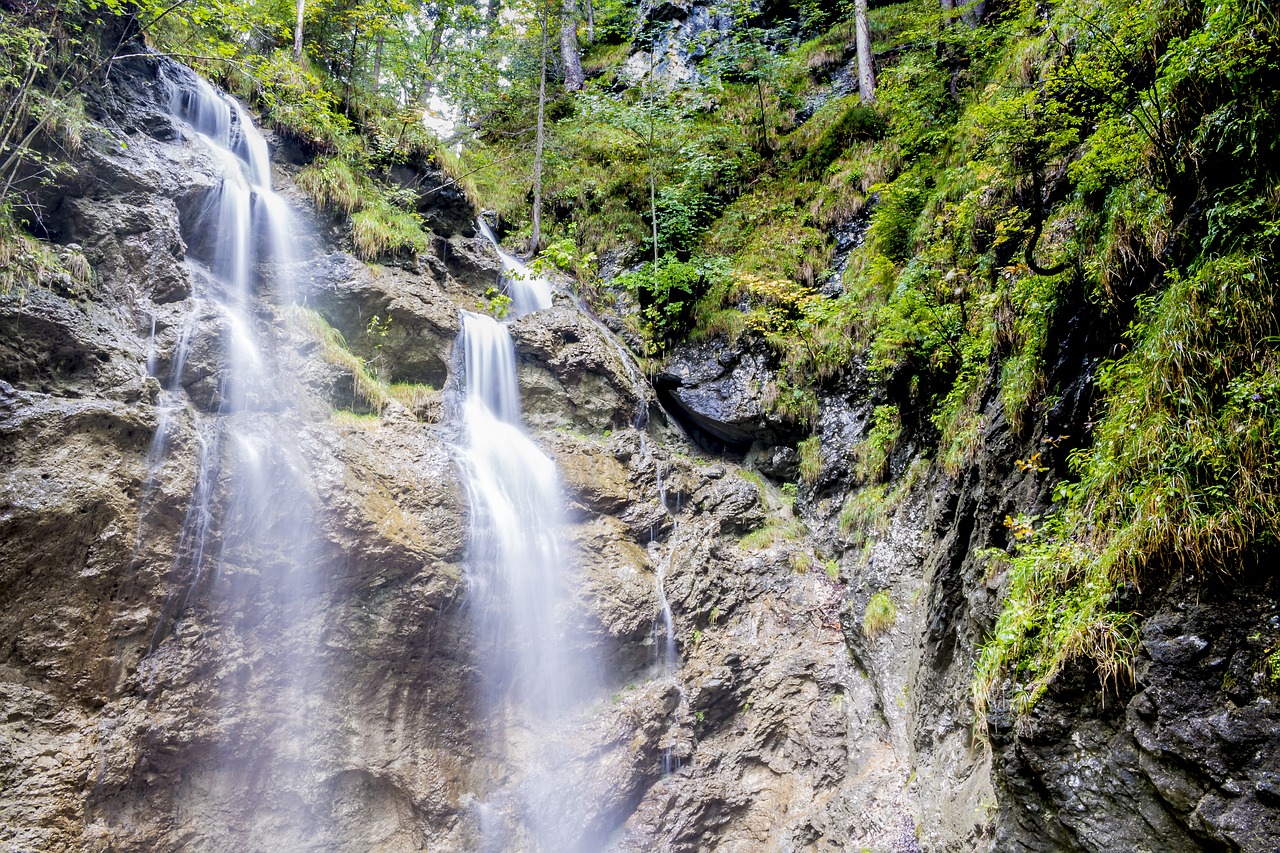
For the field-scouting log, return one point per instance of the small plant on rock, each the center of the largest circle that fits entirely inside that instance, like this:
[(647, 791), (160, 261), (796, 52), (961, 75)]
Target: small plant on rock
[(879, 616)]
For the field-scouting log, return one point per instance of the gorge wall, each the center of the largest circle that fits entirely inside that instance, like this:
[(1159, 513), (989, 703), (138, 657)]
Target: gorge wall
[(143, 703)]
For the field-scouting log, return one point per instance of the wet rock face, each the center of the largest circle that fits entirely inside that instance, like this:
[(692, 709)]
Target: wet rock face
[(152, 705), (1185, 758), (142, 694), (722, 394)]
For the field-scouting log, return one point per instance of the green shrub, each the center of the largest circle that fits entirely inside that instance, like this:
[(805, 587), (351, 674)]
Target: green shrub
[(667, 296), (893, 223), (873, 452)]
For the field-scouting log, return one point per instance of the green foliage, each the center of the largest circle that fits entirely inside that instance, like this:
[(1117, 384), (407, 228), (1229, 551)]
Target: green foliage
[(1181, 467), (811, 458), (879, 616), (26, 261), (330, 182), (1182, 470), (495, 303), (299, 103), (867, 511), (855, 123), (381, 223), (666, 294), (872, 453), (863, 513), (894, 221), (382, 228)]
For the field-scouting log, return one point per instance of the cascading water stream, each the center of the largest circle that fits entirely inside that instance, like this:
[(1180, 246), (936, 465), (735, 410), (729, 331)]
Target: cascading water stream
[(245, 555), (534, 673), (517, 569), (667, 657), (664, 626), (529, 291)]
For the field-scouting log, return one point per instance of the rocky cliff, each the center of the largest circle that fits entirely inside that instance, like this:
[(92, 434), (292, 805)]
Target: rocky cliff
[(826, 645)]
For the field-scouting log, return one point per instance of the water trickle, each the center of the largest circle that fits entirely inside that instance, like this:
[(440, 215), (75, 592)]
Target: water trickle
[(667, 656), (639, 385), (529, 291)]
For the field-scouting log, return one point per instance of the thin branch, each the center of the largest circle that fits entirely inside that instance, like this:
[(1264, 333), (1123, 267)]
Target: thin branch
[(472, 172), (154, 53)]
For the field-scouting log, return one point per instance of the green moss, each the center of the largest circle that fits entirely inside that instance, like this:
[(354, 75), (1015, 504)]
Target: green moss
[(347, 419), (771, 534)]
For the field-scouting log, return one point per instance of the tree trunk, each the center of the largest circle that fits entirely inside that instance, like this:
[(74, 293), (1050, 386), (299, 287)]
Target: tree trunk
[(351, 70), (535, 237), (437, 41), (591, 23), (972, 11), (297, 32), (573, 77), (866, 65), (377, 62)]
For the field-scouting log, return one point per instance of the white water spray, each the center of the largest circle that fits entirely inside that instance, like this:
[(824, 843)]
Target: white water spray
[(244, 560), (529, 291)]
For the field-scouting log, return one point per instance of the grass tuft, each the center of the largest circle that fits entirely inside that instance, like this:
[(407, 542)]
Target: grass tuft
[(811, 458), (879, 616), (380, 229), (331, 183)]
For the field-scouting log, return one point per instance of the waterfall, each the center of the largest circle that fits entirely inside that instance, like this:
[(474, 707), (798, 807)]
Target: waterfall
[(534, 674), (664, 627), (666, 655), (517, 568), (529, 291), (245, 561)]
